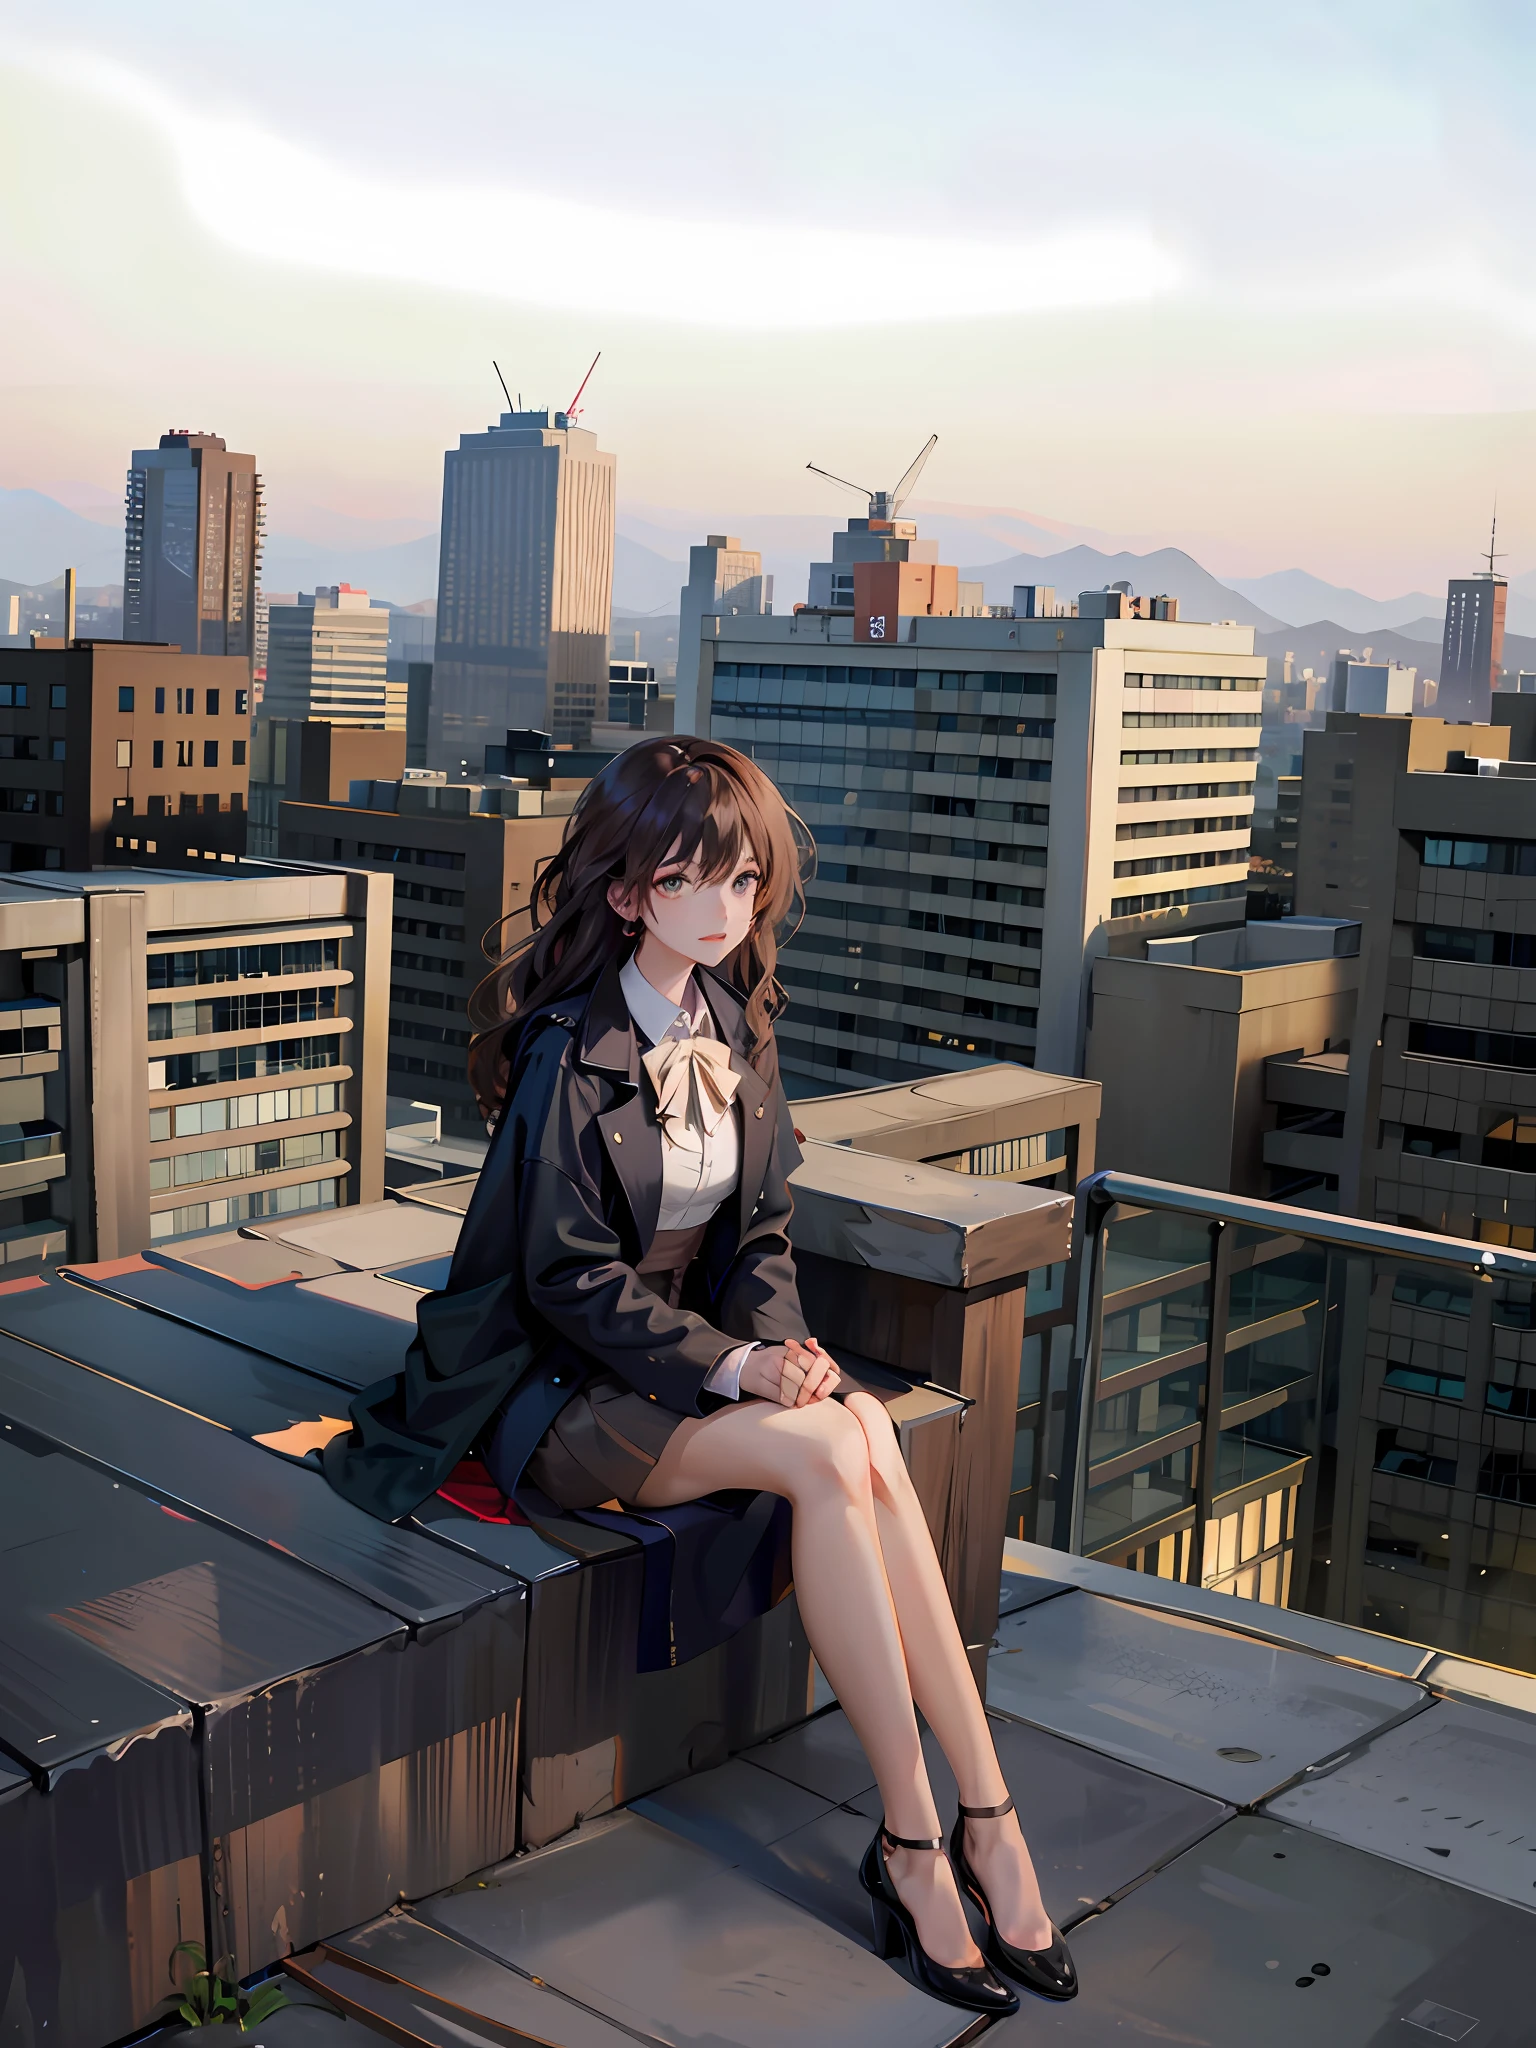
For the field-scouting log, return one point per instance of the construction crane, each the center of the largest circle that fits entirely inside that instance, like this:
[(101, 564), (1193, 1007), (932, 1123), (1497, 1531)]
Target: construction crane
[(573, 410), (885, 504)]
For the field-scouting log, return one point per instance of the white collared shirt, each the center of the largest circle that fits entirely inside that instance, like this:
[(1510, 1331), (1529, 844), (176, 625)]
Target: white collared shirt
[(699, 1170)]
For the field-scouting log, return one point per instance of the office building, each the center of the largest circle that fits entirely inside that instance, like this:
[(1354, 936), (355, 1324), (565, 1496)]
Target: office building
[(1375, 688), (1182, 1038), (1473, 647), (525, 587), (192, 550), (995, 801), (464, 857), (183, 1052), (295, 762), (327, 658), (724, 578), (114, 753)]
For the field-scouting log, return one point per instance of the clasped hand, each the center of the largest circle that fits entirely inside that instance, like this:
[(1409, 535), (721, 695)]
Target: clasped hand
[(791, 1374)]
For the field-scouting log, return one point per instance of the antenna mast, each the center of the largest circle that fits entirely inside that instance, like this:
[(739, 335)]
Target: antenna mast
[(571, 411), (1494, 554), (506, 394)]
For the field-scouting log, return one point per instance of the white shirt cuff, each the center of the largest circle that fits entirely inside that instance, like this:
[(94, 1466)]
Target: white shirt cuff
[(725, 1378)]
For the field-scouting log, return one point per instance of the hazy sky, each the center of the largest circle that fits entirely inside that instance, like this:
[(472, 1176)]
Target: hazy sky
[(1256, 280)]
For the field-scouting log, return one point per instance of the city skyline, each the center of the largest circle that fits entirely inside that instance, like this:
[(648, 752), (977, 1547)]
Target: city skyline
[(1323, 357)]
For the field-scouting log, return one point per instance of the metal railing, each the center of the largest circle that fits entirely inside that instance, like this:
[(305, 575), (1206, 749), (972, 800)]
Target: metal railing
[(1309, 1409)]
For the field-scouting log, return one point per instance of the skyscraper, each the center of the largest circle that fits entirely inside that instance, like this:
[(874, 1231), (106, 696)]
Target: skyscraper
[(723, 577), (1474, 646), (525, 587), (192, 546)]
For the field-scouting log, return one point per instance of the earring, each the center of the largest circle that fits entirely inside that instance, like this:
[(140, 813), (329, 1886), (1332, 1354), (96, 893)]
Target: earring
[(631, 931)]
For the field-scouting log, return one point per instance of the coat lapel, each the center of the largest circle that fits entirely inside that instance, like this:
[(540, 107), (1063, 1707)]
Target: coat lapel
[(751, 1099), (630, 1131)]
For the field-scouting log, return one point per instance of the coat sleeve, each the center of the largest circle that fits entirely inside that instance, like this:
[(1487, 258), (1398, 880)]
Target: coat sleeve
[(576, 1280), (759, 1297)]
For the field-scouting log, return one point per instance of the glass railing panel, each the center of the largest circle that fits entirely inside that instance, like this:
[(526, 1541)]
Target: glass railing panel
[(1282, 1302), (1144, 1414), (1152, 1245), (1155, 1329), (1138, 1501)]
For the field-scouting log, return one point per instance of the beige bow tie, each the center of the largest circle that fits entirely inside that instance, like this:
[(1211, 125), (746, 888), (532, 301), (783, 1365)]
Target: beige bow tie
[(694, 1082)]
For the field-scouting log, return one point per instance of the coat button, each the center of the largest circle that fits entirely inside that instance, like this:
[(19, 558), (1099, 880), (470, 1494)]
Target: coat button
[(757, 1112), (618, 1137)]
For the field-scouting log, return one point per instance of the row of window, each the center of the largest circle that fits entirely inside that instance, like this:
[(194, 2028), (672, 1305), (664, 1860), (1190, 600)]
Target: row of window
[(186, 700), (1146, 721), (433, 1034), (428, 963), (15, 695), (889, 840), (1483, 949), (220, 1064), (1181, 792), (186, 753), (242, 1112), (1502, 1475), (208, 805), (241, 963), (241, 1013), (1173, 899), (1181, 828), (233, 1209), (1186, 757), (1001, 971), (923, 805), (24, 746), (33, 803), (826, 983), (1481, 856), (431, 1070), (993, 682), (937, 885), (240, 1162), (425, 998), (422, 928), (1145, 682), (424, 892), (409, 856), (1480, 1048), (1176, 863)]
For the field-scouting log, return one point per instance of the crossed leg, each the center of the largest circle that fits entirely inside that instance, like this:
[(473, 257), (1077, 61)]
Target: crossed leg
[(879, 1618)]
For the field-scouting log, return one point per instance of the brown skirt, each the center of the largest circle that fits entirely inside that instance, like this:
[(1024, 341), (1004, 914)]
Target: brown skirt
[(604, 1444)]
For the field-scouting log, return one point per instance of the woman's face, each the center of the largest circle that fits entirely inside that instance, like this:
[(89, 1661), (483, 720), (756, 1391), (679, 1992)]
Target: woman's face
[(703, 921)]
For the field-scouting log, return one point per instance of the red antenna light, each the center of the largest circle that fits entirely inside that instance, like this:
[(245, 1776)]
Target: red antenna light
[(571, 412)]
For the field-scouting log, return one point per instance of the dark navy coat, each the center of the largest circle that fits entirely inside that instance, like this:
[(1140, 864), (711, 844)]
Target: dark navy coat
[(543, 1289)]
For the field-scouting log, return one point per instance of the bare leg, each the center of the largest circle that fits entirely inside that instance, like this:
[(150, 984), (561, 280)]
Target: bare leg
[(942, 1684), (818, 1458)]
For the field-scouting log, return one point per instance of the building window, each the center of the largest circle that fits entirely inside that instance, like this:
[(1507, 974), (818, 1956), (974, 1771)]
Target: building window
[(125, 697), (14, 694), (56, 750), (158, 756), (211, 699), (237, 753), (184, 753), (125, 753), (242, 697), (57, 696), (160, 700), (210, 749)]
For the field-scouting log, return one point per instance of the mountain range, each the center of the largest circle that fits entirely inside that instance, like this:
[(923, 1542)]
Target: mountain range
[(38, 536)]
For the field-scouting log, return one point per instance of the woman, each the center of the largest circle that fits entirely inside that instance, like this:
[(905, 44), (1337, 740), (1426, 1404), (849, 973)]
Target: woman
[(625, 1270)]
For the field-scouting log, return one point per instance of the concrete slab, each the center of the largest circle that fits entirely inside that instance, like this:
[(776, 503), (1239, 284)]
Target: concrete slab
[(663, 1938), (1266, 1935), (1453, 1792), (1221, 1713), (1094, 1825), (377, 1234)]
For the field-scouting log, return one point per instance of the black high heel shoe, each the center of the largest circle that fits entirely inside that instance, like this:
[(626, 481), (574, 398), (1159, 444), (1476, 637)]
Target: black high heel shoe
[(896, 1933), (1048, 1971)]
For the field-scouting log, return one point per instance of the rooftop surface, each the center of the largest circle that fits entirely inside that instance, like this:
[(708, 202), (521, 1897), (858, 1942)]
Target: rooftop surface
[(1257, 1826)]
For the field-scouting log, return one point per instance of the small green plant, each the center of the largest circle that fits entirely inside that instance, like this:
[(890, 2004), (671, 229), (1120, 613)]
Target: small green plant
[(204, 1998)]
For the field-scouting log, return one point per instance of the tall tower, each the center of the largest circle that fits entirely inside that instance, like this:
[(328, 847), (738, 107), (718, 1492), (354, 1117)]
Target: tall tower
[(1474, 641), (192, 550), (525, 587)]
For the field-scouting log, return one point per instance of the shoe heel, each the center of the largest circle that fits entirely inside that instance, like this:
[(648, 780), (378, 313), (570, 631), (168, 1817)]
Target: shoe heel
[(889, 1939)]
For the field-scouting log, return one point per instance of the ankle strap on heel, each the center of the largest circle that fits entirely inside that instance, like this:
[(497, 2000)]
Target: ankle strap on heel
[(907, 1842), (986, 1812)]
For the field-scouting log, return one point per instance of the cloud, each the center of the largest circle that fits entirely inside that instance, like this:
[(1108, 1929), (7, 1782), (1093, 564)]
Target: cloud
[(273, 199)]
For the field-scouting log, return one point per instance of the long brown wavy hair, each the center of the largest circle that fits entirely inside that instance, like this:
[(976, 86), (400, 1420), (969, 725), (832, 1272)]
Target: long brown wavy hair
[(661, 801)]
